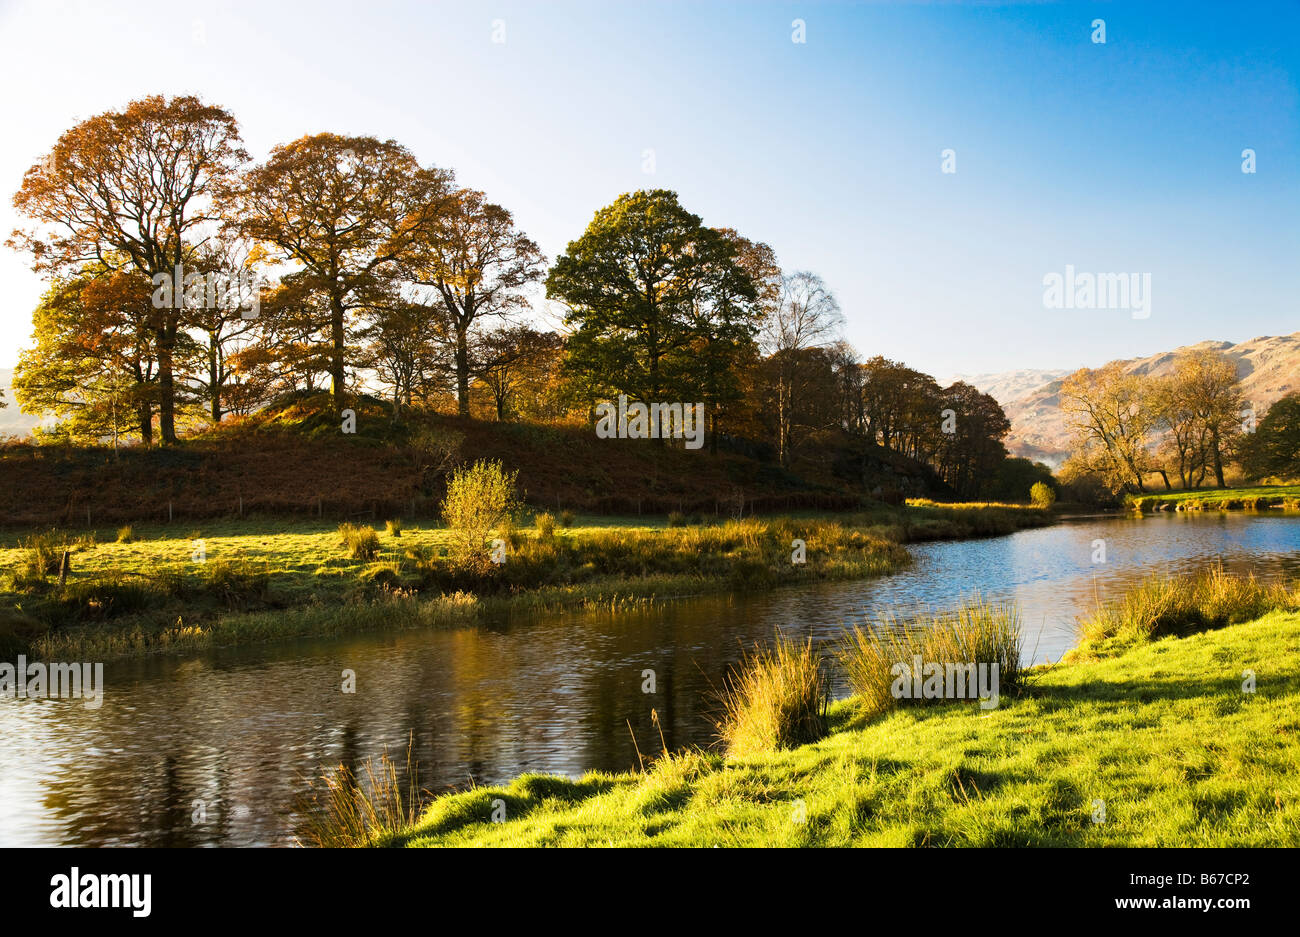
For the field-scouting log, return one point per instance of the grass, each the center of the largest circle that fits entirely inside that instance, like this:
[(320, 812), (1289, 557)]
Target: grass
[(278, 579), (1159, 607), (978, 633), (1158, 745), (345, 808), (776, 699), (1257, 497)]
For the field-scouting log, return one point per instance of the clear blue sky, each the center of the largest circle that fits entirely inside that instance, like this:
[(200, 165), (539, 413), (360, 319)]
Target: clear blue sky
[(1122, 157)]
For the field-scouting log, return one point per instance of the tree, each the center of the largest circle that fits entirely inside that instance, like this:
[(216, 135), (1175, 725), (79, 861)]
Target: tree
[(637, 283), (1042, 495), (480, 497), (509, 357), (95, 362), (1207, 381), (133, 190), (806, 316), (405, 350), (475, 264), (1112, 414), (1273, 449), (343, 209)]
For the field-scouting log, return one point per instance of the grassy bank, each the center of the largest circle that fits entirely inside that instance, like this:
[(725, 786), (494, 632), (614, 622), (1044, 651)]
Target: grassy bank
[(140, 589), (1256, 498), (1154, 746)]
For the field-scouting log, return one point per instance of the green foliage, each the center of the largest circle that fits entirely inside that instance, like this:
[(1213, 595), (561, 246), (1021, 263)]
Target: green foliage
[(1042, 495), (126, 534), (566, 519), (393, 526), (1273, 450), (480, 498), (545, 524)]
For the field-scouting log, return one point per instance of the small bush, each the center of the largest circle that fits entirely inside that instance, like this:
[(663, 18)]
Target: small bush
[(545, 524), (480, 498), (362, 542), (676, 519), (394, 527), (566, 519), (126, 534), (776, 699)]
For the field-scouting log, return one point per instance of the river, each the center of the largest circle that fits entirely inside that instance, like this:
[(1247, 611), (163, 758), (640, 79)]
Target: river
[(214, 748)]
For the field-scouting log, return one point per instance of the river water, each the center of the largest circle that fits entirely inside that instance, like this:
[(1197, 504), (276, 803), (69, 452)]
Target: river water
[(214, 748)]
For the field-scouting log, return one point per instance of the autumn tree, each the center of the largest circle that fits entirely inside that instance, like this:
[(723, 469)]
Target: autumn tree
[(474, 264), (1206, 380), (343, 209), (94, 365), (513, 358), (132, 190), (1112, 415)]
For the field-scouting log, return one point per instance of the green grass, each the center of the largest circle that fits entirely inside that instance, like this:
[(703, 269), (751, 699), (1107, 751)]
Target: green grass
[(1253, 498), (1161, 737), (777, 698), (283, 579)]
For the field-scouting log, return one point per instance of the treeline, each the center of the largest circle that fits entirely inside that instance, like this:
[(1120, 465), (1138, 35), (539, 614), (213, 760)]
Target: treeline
[(1183, 429), (188, 283)]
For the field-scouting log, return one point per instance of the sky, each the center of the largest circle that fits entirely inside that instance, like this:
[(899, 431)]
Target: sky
[(1115, 157)]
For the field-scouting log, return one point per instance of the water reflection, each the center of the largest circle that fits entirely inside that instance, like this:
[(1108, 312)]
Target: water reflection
[(213, 749)]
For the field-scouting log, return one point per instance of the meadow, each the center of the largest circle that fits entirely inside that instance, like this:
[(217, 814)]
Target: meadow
[(148, 587), (1251, 497), (1188, 740)]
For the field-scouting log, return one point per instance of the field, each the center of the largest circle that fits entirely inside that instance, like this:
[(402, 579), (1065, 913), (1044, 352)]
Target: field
[(1222, 499), (1157, 746), (183, 586)]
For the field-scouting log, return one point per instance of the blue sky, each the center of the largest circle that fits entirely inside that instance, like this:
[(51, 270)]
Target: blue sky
[(1115, 157)]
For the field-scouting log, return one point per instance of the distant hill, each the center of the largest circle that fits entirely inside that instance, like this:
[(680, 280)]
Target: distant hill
[(1268, 368), (1008, 386)]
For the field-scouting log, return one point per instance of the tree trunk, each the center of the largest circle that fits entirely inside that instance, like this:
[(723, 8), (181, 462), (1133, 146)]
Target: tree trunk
[(166, 385), (337, 376), (462, 371), (214, 377), (1218, 460), (146, 424)]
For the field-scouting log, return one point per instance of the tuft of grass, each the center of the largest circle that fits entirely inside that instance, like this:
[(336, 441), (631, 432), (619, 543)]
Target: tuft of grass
[(126, 534), (344, 808), (978, 633), (566, 519), (361, 541), (394, 527), (545, 524), (776, 699), (676, 519), (1162, 606)]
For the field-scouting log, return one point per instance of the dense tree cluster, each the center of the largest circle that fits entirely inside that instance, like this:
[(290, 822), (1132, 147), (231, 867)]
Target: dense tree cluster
[(188, 283)]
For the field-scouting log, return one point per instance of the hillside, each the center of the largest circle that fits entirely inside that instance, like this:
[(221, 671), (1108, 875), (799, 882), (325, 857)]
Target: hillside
[(291, 459), (13, 422), (1268, 368)]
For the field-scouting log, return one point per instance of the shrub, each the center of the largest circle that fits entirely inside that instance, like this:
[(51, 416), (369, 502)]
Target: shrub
[(545, 525), (676, 519), (566, 519), (43, 553), (126, 534), (394, 527), (978, 633), (480, 498), (776, 699), (362, 542)]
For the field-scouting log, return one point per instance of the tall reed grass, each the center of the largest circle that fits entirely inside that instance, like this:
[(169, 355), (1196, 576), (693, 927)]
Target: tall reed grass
[(777, 698), (978, 633)]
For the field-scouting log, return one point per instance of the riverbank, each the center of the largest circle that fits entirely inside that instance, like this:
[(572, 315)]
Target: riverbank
[(1257, 497), (171, 588), (1160, 745)]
